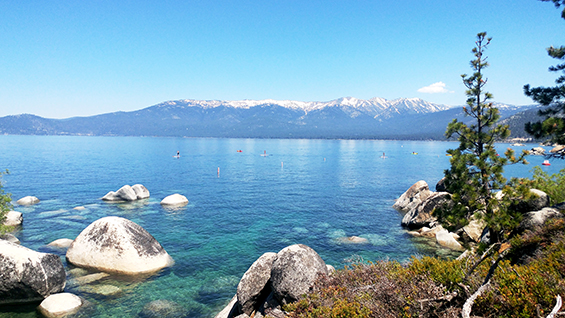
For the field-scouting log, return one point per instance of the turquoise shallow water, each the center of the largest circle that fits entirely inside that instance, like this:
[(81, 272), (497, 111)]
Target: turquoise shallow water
[(305, 191)]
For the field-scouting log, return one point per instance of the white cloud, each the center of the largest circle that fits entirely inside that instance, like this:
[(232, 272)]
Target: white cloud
[(438, 87)]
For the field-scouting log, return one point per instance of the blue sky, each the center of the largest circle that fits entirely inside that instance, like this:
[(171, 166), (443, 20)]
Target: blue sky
[(61, 59)]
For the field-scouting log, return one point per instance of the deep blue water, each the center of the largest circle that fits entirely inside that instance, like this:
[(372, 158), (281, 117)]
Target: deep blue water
[(304, 191)]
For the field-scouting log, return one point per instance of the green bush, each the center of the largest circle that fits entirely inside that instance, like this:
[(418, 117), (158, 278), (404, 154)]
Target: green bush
[(553, 185), (525, 283), (5, 205)]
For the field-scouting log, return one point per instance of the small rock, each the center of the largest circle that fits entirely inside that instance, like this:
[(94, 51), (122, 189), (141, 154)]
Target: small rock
[(537, 151), (79, 208), (175, 199), (427, 232), (61, 243), (29, 200), (475, 229), (60, 305), (10, 238), (446, 239), (13, 218)]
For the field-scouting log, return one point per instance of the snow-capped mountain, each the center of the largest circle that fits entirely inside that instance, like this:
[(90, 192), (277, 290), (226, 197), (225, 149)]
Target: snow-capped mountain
[(374, 107), (346, 117)]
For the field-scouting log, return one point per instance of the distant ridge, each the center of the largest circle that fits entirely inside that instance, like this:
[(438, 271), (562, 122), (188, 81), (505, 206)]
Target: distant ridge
[(347, 117)]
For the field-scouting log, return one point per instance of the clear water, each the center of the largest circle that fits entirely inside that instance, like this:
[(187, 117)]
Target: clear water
[(305, 191)]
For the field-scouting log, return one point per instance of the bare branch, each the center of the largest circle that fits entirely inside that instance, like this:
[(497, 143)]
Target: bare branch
[(556, 308)]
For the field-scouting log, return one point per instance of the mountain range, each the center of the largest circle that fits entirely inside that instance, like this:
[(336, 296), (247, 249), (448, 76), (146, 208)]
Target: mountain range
[(347, 117)]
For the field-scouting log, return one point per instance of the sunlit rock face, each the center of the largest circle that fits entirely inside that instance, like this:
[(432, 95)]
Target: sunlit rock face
[(27, 275), (114, 244), (295, 271)]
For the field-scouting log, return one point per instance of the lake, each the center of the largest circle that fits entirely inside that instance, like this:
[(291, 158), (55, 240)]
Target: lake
[(241, 205)]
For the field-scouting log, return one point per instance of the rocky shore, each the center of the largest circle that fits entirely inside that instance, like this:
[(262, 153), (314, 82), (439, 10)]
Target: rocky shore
[(418, 204)]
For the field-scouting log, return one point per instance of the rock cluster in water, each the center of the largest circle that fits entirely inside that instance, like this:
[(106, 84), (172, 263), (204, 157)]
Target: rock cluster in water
[(128, 193), (419, 203), (275, 279)]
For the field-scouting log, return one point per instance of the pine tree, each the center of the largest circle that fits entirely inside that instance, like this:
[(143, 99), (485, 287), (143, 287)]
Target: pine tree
[(553, 127), (476, 168)]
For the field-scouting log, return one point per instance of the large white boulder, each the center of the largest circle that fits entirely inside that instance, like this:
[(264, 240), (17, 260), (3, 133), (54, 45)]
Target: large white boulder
[(29, 200), (413, 197), (27, 275), (60, 305), (140, 191), (175, 199), (294, 272), (251, 288), (115, 244), (13, 218)]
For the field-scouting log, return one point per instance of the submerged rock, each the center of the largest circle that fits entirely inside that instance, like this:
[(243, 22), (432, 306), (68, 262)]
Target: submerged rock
[(115, 244), (27, 275), (352, 240), (163, 308), (60, 305), (28, 200)]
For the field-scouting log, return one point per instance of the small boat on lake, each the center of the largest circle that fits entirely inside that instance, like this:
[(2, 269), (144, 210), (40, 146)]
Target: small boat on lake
[(546, 163)]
